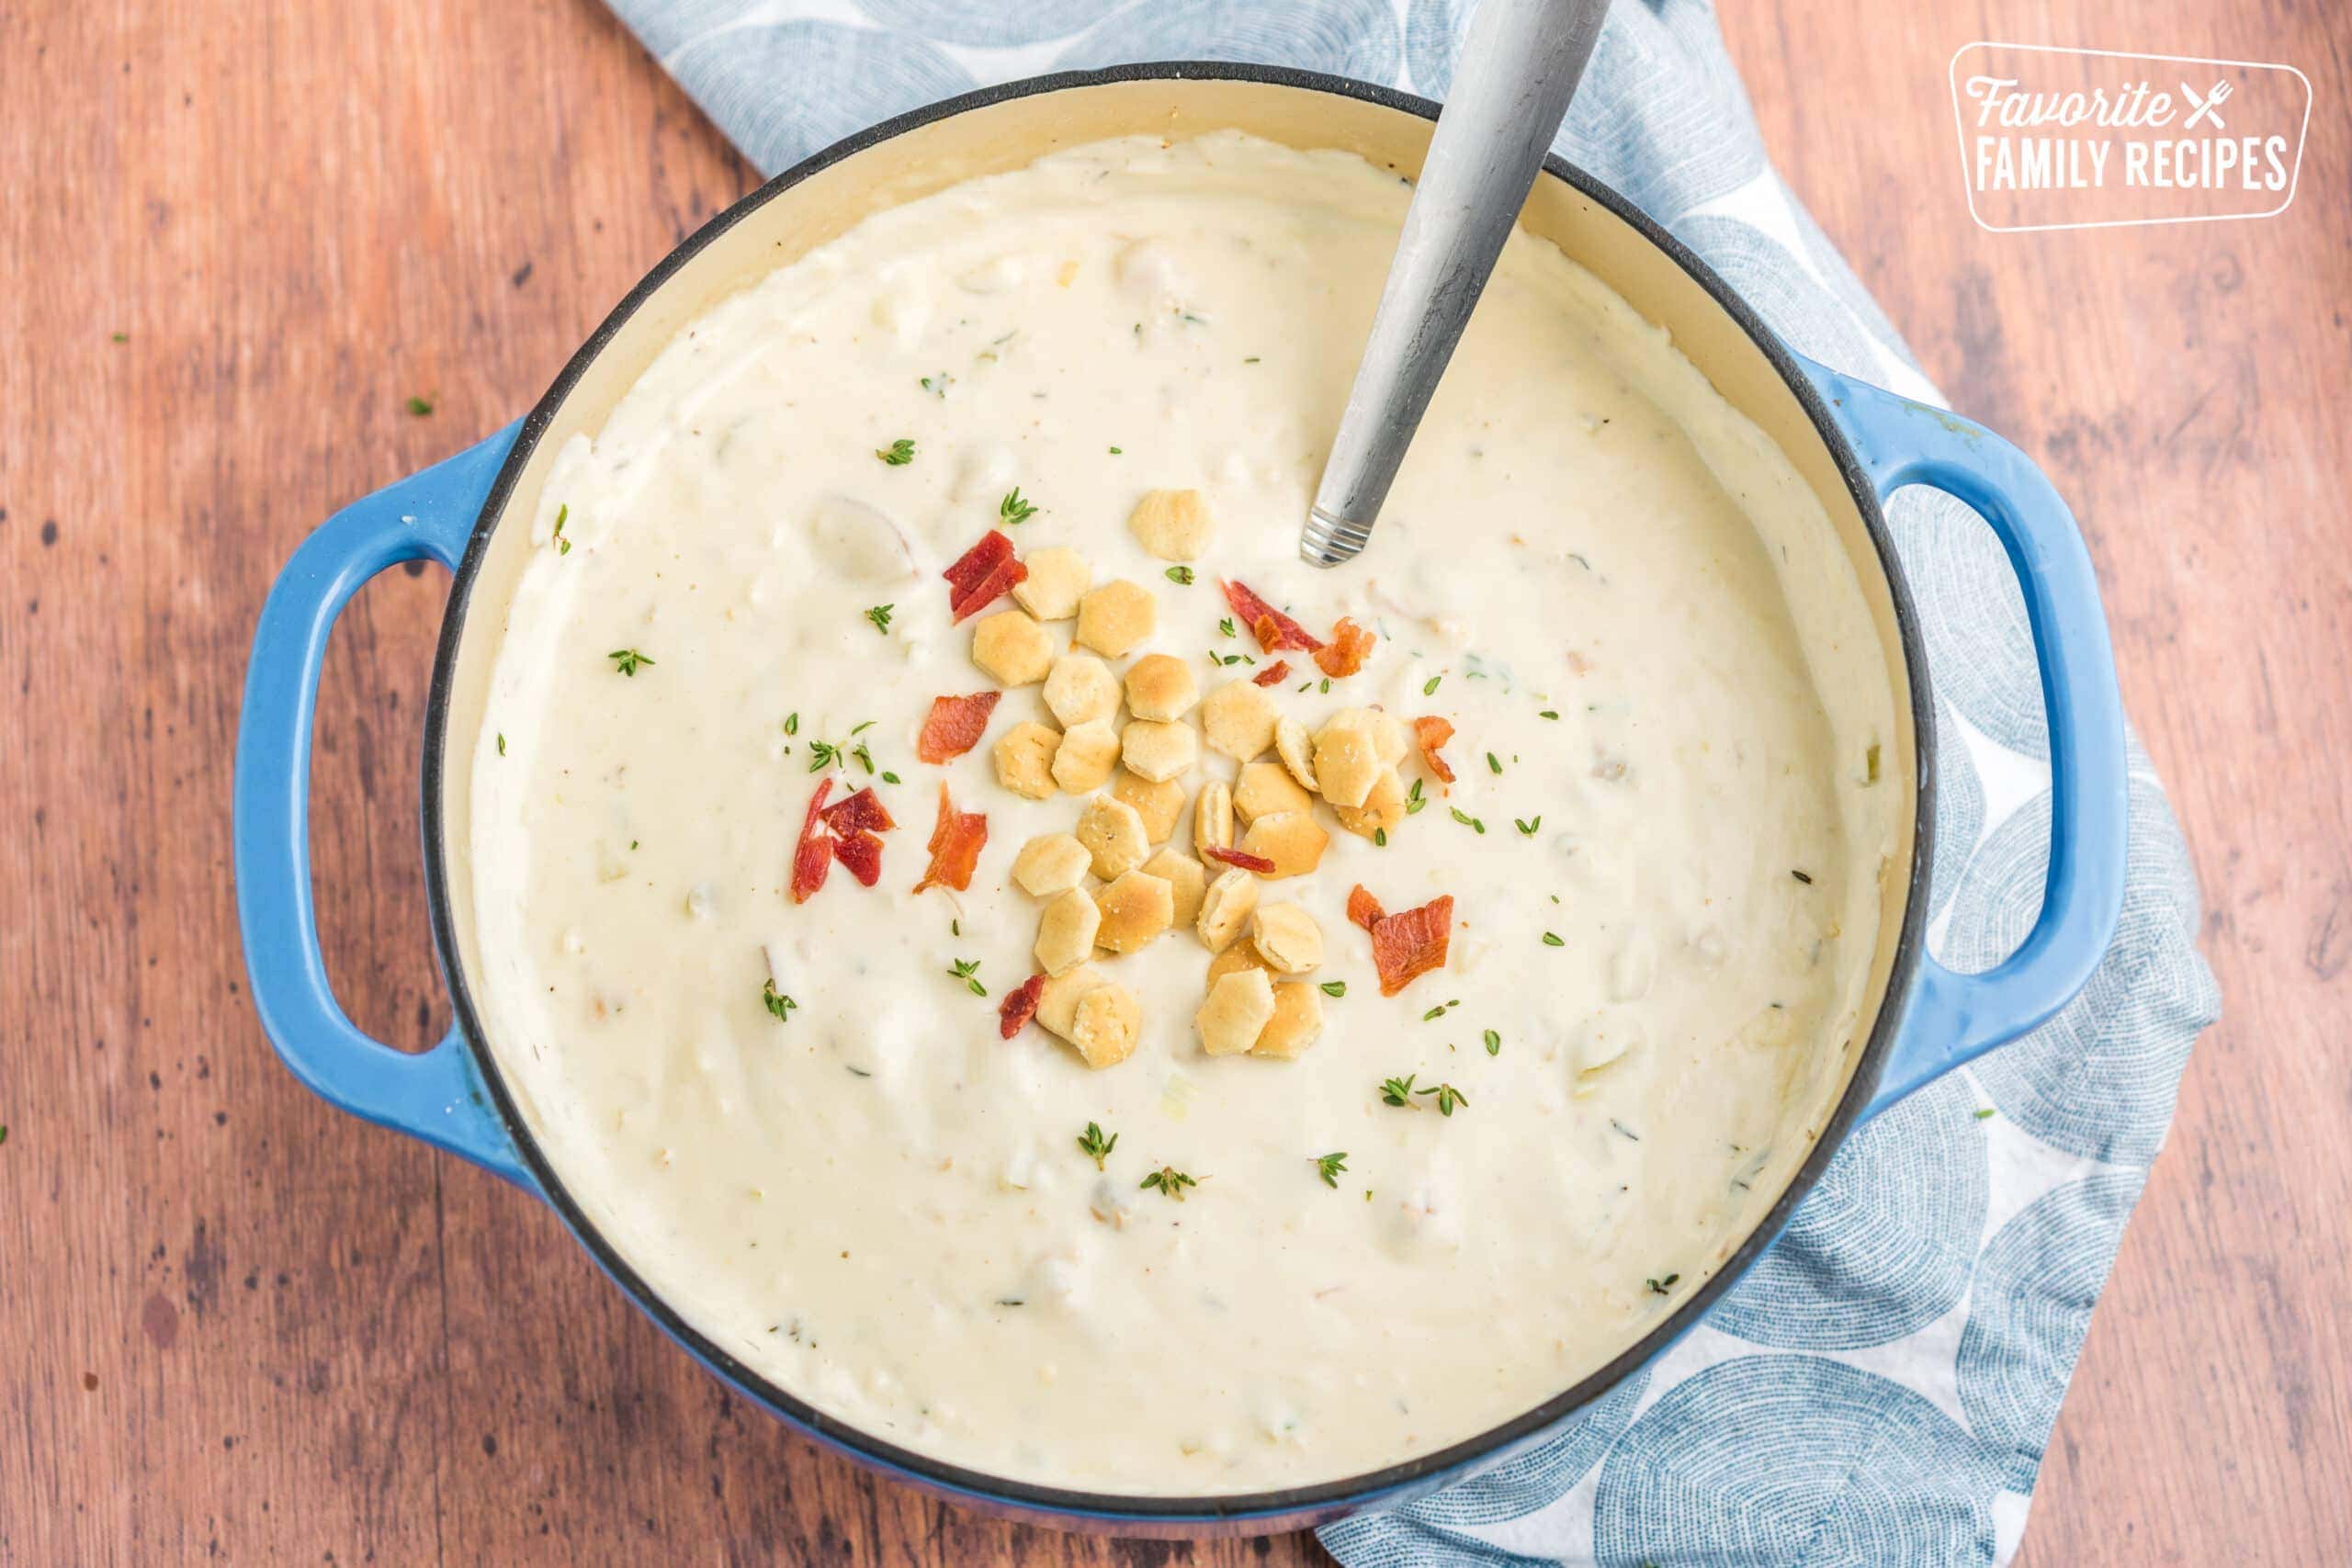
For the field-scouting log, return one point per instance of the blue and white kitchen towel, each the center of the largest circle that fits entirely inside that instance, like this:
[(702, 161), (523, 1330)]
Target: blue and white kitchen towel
[(1878, 1389)]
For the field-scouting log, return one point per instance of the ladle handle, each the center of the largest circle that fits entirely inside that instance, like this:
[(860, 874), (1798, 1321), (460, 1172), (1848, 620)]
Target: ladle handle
[(1520, 66)]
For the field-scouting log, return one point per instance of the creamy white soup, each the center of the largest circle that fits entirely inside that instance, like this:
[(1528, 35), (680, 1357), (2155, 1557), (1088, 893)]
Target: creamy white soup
[(1445, 960)]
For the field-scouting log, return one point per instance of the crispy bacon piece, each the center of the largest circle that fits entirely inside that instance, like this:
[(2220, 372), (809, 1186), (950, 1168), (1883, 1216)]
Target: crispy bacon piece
[(1431, 733), (1406, 945), (1364, 908), (861, 853), (1349, 646), (982, 574), (1273, 674), (861, 813), (955, 840), (1242, 858), (1018, 1005), (954, 726), (813, 856), (1274, 630)]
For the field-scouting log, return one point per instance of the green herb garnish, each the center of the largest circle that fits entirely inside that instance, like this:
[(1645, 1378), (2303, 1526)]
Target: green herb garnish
[(880, 615), (1429, 687), (792, 723), (777, 1002), (627, 660), (562, 516), (938, 385), (1466, 820), (968, 970), (1548, 713), (1415, 799), (1329, 1167), (1170, 1181), (1398, 1091), (502, 743), (419, 406), (1335, 988), (1493, 766), (1180, 575), (1984, 1112), (1527, 828), (899, 454), (1660, 1287), (1014, 509), (1447, 1097), (1094, 1145), (1494, 1042), (1552, 939), (1801, 876)]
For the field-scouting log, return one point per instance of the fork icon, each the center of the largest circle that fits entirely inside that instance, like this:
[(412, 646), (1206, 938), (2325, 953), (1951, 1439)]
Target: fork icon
[(2207, 107)]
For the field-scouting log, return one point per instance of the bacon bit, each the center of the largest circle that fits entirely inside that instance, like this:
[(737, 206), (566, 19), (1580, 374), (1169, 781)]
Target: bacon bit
[(1364, 908), (1408, 945), (982, 575), (1242, 858), (1350, 646), (813, 856), (1273, 674), (1431, 733), (954, 726), (861, 813), (861, 853), (1020, 1006), (1274, 630), (955, 840)]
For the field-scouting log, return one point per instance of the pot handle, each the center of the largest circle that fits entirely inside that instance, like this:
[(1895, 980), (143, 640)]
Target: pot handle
[(1952, 1018), (435, 1094)]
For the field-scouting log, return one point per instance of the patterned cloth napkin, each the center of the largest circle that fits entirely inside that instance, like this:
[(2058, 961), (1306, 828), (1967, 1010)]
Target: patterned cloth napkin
[(1879, 1389)]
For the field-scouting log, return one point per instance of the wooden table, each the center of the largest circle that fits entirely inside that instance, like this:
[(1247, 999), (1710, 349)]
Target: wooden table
[(238, 238)]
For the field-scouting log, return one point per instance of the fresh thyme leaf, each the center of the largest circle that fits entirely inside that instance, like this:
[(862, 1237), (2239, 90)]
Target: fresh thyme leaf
[(1870, 765), (938, 385), (1014, 509), (1094, 1145), (627, 660), (1494, 1042), (1548, 713), (1335, 988), (1226, 626), (1493, 766), (419, 406), (1441, 1010), (880, 615), (1415, 799), (502, 743), (1117, 450), (1552, 939), (1467, 821), (1527, 828), (777, 1002), (899, 454), (119, 337), (1447, 1097), (562, 516), (1429, 687), (862, 729), (1380, 838), (968, 971), (864, 756), (1170, 1181), (792, 723), (1660, 1287), (822, 754), (1180, 575), (1252, 359), (1398, 1091), (889, 778), (1329, 1167), (1984, 1112), (1327, 687)]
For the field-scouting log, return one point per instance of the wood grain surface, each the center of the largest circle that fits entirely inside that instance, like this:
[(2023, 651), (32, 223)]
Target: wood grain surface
[(236, 238)]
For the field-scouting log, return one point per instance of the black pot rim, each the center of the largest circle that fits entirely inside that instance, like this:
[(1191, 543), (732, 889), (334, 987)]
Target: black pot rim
[(1323, 1499)]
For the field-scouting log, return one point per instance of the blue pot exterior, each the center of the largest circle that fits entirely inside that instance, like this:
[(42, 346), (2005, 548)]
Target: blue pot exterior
[(452, 1095)]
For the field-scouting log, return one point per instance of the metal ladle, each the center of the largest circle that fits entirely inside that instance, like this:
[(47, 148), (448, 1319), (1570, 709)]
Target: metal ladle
[(1518, 68)]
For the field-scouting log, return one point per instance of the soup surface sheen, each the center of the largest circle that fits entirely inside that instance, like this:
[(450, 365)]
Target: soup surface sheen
[(1664, 843)]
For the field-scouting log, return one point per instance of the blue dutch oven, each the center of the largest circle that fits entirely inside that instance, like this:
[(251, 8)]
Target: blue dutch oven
[(1852, 443)]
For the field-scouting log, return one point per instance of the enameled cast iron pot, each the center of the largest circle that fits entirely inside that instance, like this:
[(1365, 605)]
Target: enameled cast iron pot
[(1853, 445)]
